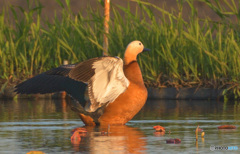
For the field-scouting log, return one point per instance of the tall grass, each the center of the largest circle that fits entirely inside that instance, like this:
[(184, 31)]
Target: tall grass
[(197, 52)]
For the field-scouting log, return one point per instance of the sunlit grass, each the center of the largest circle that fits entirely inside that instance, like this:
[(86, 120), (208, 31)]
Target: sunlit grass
[(197, 52)]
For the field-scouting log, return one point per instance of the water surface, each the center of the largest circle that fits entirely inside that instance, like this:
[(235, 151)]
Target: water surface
[(45, 125)]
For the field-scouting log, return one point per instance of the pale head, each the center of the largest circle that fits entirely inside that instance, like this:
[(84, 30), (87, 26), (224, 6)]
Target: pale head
[(132, 50)]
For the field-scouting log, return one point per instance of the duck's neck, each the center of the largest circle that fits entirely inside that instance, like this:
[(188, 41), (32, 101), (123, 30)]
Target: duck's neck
[(129, 57), (133, 72)]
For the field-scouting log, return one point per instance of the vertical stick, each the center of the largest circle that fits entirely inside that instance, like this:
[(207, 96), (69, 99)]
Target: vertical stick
[(196, 133), (106, 26)]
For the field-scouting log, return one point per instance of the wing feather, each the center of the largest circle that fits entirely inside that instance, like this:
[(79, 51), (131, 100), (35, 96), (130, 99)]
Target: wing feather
[(107, 83), (54, 80), (104, 77), (83, 71)]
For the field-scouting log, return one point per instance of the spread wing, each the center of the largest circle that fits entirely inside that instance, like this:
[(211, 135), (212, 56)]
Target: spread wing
[(54, 80), (104, 77)]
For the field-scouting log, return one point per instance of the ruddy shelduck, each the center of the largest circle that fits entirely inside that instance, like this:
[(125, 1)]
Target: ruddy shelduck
[(116, 90)]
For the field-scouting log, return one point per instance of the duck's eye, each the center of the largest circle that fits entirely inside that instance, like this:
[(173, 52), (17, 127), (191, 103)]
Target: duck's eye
[(140, 43)]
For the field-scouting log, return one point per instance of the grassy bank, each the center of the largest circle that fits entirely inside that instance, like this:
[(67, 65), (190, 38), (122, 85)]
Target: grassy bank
[(197, 52)]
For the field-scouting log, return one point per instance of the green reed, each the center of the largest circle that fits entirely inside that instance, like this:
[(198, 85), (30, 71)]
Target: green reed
[(197, 52)]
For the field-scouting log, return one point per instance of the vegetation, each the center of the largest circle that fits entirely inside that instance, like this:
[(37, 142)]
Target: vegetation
[(197, 52)]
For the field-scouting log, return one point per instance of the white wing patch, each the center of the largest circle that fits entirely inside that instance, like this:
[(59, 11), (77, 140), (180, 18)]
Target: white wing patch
[(107, 83)]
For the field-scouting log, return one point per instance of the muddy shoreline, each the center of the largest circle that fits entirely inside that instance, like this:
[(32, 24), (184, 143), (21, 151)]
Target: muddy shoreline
[(171, 93)]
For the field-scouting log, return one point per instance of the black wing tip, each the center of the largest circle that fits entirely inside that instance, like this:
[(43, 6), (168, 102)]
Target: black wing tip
[(16, 89), (22, 89)]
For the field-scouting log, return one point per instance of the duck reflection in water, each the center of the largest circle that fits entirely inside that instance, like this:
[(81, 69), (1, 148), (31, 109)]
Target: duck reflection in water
[(121, 139)]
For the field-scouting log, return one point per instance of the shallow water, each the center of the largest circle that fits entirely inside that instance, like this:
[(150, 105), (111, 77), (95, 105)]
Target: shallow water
[(45, 125)]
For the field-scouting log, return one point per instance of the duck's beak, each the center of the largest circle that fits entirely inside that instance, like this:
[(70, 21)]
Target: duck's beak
[(146, 49)]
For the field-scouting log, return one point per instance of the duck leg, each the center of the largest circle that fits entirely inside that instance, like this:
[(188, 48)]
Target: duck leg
[(76, 107)]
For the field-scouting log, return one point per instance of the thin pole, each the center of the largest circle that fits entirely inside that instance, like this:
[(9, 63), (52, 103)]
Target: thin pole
[(106, 26)]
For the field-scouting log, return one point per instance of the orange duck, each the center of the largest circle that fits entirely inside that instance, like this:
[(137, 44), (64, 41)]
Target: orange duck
[(116, 90)]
